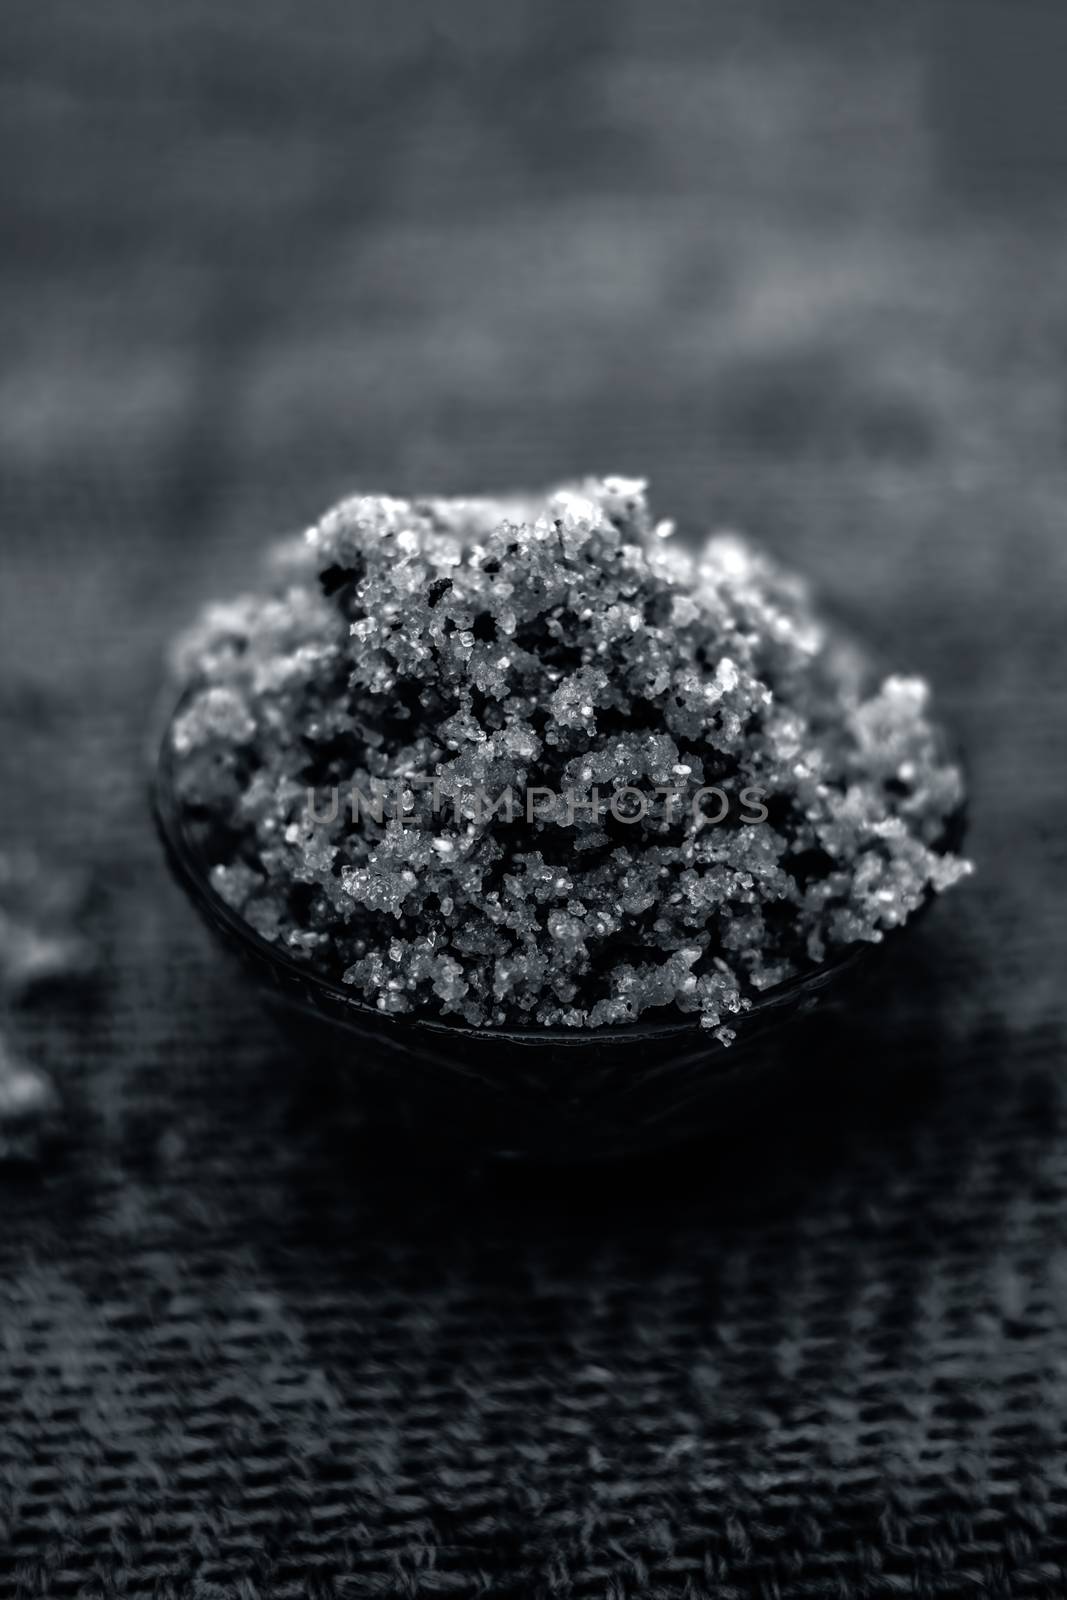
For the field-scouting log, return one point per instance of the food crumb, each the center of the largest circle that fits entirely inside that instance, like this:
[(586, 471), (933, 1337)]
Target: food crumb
[(674, 787)]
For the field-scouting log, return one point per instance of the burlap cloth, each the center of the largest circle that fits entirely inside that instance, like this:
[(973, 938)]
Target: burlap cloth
[(808, 276)]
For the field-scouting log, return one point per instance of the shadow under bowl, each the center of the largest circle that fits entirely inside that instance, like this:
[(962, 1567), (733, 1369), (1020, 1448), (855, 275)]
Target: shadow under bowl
[(545, 1094)]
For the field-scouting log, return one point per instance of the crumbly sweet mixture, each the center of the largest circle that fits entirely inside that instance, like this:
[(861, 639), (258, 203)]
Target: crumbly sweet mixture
[(534, 763)]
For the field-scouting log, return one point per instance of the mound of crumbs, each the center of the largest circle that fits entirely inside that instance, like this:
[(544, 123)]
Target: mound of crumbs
[(535, 763)]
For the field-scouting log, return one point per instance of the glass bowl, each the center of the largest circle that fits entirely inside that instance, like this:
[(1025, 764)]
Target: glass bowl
[(550, 1094)]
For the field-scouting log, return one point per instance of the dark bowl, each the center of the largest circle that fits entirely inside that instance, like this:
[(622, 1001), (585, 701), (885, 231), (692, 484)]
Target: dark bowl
[(553, 1094)]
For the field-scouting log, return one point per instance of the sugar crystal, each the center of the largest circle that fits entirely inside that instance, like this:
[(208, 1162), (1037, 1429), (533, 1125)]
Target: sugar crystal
[(505, 888)]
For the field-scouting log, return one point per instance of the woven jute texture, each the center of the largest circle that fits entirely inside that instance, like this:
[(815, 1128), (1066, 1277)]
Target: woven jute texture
[(803, 267)]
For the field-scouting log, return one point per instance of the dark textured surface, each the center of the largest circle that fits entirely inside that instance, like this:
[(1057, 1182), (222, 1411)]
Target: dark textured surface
[(809, 279)]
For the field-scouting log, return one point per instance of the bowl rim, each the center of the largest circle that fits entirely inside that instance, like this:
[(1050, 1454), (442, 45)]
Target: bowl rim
[(188, 866)]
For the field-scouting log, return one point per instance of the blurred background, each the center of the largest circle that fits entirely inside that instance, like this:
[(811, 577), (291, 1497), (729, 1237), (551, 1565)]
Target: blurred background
[(802, 266)]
